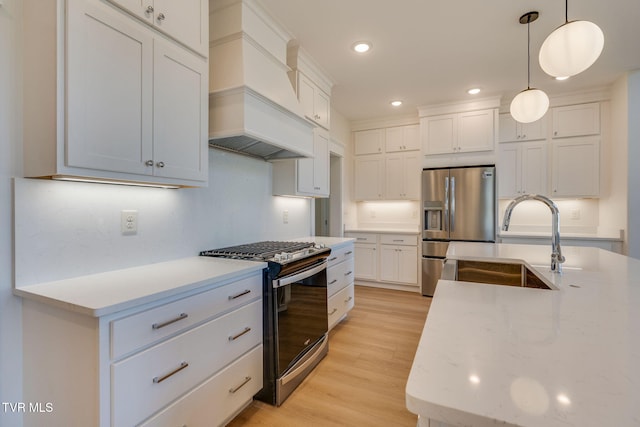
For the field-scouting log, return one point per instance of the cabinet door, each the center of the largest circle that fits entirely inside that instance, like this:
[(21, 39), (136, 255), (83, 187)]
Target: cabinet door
[(408, 265), (109, 90), (534, 168), (368, 141), (576, 120), (368, 177), (366, 261), (321, 108), (510, 130), (185, 21), (576, 167), (439, 134), (509, 166), (507, 128), (306, 93), (394, 177), (389, 265), (476, 131), (313, 174), (402, 138), (180, 113)]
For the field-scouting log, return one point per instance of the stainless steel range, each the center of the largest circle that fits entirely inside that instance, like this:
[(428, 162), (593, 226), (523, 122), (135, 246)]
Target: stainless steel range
[(294, 309)]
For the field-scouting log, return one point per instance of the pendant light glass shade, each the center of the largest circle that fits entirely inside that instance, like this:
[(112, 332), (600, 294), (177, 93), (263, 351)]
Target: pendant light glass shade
[(529, 105), (571, 48)]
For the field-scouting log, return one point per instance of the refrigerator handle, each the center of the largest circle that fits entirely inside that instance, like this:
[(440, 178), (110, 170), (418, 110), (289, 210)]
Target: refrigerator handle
[(446, 203), (453, 203)]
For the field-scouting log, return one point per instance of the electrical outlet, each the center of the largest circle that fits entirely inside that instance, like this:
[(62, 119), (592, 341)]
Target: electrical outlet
[(574, 214), (373, 214), (285, 217), (129, 222)]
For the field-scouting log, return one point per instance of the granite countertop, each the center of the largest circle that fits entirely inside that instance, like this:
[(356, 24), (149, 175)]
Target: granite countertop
[(106, 293), (511, 356)]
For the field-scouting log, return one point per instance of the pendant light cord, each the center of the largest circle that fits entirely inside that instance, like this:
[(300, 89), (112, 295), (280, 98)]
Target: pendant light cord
[(566, 11), (528, 52)]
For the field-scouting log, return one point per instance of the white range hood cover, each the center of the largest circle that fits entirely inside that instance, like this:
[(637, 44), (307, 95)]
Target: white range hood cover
[(253, 108)]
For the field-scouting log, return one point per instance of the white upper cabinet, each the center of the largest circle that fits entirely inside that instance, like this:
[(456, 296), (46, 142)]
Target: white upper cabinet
[(315, 102), (305, 177), (185, 21), (468, 131), (402, 138), (133, 105), (402, 176), (511, 130), (576, 167), (576, 120), (369, 141), (369, 177), (522, 169)]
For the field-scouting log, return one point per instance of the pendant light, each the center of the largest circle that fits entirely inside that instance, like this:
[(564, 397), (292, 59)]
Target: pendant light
[(530, 104), (571, 48)]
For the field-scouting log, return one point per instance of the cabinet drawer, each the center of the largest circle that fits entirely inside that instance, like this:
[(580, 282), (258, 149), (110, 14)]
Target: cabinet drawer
[(149, 380), (340, 254), (364, 237), (339, 304), (340, 276), (399, 239), (141, 329), (212, 403)]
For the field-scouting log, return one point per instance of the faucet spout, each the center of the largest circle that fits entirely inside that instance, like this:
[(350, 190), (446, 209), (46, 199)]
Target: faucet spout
[(556, 252)]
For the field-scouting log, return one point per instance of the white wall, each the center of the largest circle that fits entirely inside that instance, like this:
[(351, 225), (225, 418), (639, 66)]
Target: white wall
[(10, 161), (66, 229), (633, 156)]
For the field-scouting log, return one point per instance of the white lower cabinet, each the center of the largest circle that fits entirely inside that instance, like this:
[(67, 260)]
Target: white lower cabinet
[(387, 259), (340, 278), (191, 359), (218, 399)]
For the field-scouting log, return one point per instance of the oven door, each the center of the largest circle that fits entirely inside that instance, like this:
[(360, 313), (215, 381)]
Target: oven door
[(301, 314)]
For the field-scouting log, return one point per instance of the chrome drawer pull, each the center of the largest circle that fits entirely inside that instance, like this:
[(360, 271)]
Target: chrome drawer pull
[(235, 337), (398, 240), (246, 380), (168, 322), (348, 273), (333, 311), (333, 259), (348, 253), (348, 299), (246, 291), (158, 380), (333, 281)]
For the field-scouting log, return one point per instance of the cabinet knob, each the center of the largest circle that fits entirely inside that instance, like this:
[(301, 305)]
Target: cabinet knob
[(148, 163), (555, 133), (160, 164), (149, 9), (161, 17)]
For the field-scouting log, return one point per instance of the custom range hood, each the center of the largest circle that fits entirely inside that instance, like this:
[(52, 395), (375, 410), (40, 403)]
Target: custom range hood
[(253, 108)]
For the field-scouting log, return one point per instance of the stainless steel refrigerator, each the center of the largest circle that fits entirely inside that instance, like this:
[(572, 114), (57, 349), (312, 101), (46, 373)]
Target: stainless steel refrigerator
[(459, 205)]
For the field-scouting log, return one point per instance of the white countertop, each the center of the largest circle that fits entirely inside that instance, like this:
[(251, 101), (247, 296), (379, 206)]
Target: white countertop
[(498, 355), (113, 291), (563, 236), (382, 230), (327, 241)]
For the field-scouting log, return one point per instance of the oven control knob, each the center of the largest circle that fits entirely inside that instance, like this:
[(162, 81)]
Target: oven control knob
[(319, 246), (277, 257)]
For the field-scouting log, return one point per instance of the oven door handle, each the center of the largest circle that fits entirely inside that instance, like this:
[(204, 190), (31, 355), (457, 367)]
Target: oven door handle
[(287, 280)]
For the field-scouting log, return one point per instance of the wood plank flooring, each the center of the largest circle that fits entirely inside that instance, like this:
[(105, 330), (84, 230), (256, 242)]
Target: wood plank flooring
[(361, 381)]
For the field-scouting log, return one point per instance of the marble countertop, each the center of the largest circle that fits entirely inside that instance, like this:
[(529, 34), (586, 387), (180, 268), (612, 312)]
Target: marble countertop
[(106, 293), (327, 241), (498, 355)]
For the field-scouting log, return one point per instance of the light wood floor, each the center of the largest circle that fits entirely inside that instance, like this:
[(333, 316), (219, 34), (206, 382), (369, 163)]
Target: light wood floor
[(361, 381)]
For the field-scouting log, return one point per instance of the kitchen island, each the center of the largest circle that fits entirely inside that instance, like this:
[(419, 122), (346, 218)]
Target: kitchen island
[(501, 355)]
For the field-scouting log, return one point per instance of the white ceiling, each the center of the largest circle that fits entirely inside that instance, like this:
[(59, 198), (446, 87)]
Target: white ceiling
[(429, 51)]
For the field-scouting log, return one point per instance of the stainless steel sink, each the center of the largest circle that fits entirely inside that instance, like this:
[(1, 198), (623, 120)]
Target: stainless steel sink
[(493, 273)]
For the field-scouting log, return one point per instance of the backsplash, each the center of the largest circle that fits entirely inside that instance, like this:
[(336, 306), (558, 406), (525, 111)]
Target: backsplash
[(67, 229), (388, 214), (576, 216)]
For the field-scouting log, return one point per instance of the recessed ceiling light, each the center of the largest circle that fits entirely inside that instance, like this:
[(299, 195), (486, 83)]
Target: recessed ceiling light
[(396, 103), (361, 47), (562, 78), (473, 91)]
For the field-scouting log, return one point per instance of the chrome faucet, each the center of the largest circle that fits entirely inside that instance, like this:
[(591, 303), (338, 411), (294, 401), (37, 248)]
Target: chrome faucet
[(556, 253)]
